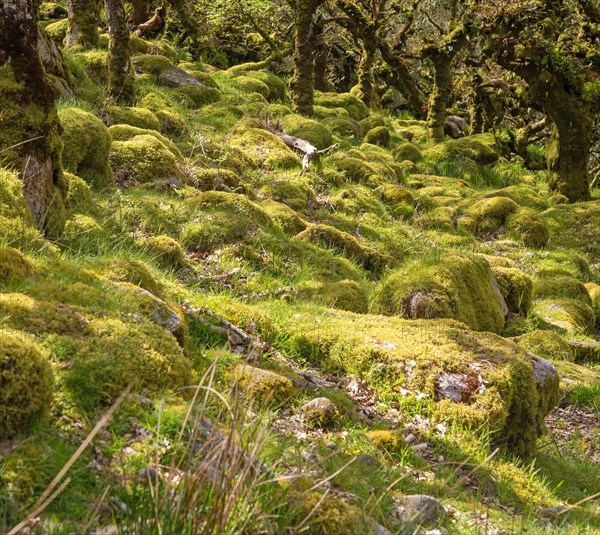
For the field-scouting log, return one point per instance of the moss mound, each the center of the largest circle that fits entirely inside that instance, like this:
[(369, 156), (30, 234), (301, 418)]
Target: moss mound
[(460, 287), (14, 264), (344, 294), (264, 149), (594, 292), (561, 286), (516, 287), (58, 31), (481, 148), (26, 383), (312, 131), (262, 386), (387, 440), (194, 96), (86, 146), (407, 151), (373, 121), (546, 344), (488, 215), (526, 224), (128, 270), (214, 179), (124, 132), (342, 126), (144, 158), (379, 135), (79, 196), (138, 117), (356, 200), (566, 315), (354, 169), (247, 84), (353, 105), (167, 251), (284, 216), (296, 192)]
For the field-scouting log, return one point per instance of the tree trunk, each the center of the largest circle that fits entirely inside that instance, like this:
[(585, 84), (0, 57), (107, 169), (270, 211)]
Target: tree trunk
[(365, 74), (139, 12), (438, 101), (83, 23), (302, 82), (120, 74), (29, 126), (321, 61)]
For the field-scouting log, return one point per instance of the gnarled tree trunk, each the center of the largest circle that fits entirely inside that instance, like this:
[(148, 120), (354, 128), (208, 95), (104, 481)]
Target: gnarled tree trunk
[(120, 74), (302, 83), (139, 11), (438, 101), (29, 126), (365, 74), (83, 23)]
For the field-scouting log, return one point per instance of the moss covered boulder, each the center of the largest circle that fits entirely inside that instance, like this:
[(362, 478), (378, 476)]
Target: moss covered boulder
[(344, 294), (312, 131), (528, 225), (26, 383), (353, 105), (407, 151), (321, 412), (480, 148), (144, 158), (125, 132), (379, 135), (566, 315), (14, 265), (87, 146), (262, 386), (386, 440), (459, 287), (138, 117), (168, 252), (546, 344), (516, 288), (264, 148), (343, 127)]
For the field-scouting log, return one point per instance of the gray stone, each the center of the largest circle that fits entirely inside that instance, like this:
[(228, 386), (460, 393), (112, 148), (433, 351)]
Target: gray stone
[(176, 77), (419, 509), (320, 411)]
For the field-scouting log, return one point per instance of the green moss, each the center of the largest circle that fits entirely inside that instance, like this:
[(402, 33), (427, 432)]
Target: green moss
[(527, 225), (481, 148), (353, 105), (575, 227), (86, 146), (214, 179), (516, 287), (138, 117), (82, 233), (246, 84), (166, 250), (566, 315), (96, 64), (284, 216), (488, 215), (357, 200), (407, 151), (124, 132), (128, 270), (263, 148), (26, 383), (459, 287), (387, 440), (561, 286), (395, 196), (294, 191), (14, 265), (355, 169), (52, 10), (546, 344), (144, 158), (203, 77), (550, 264), (524, 195), (594, 292), (344, 295), (195, 97), (312, 131), (150, 63), (342, 126), (277, 87), (171, 121), (346, 244), (58, 31), (12, 201), (440, 218), (321, 112), (379, 135), (262, 386), (79, 197), (373, 121)]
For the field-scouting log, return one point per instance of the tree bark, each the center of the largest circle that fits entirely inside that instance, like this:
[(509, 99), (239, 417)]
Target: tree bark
[(29, 126), (438, 101), (365, 74), (139, 11), (83, 23), (302, 82), (120, 74)]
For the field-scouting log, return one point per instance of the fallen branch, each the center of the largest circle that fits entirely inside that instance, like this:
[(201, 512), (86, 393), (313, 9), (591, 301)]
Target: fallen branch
[(153, 25), (310, 151)]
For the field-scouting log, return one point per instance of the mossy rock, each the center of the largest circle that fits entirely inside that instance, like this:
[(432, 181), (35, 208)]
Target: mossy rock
[(569, 262), (264, 148), (80, 198), (152, 63), (566, 315), (481, 148), (312, 131), (14, 265), (212, 178), (379, 135), (138, 117), (516, 287), (247, 84), (527, 225), (459, 287), (357, 200), (296, 192), (561, 286), (440, 218), (353, 105), (277, 87), (87, 146), (195, 96), (129, 270), (370, 122), (26, 383), (240, 203), (546, 344), (167, 251), (125, 132), (524, 195), (12, 200), (203, 77), (346, 244), (407, 151), (488, 215), (144, 158), (594, 292), (513, 403), (58, 31), (321, 412), (389, 441), (343, 294), (393, 196), (95, 63), (342, 126), (171, 121), (52, 10), (262, 386), (355, 169), (287, 218), (82, 234)]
